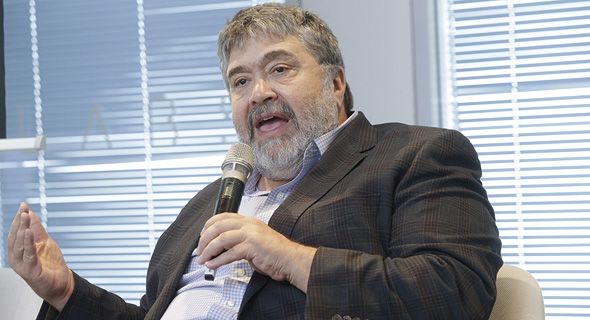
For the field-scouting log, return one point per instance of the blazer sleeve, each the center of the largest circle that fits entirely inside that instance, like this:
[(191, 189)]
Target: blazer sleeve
[(91, 302), (167, 265), (443, 251)]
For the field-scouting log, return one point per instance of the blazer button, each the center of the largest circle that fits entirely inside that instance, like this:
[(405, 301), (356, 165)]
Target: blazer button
[(336, 317), (346, 318)]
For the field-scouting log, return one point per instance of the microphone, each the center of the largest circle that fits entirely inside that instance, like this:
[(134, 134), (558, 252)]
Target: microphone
[(236, 168)]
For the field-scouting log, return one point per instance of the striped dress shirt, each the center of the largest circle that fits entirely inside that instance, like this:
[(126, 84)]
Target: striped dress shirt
[(198, 298)]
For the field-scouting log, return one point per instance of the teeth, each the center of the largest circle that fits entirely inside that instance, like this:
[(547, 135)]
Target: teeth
[(265, 119)]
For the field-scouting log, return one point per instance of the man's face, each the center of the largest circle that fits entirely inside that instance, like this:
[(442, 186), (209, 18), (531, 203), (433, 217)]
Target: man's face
[(281, 102)]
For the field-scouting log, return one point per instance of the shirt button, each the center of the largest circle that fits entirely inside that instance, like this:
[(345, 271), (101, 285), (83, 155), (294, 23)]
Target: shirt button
[(230, 303), (241, 272)]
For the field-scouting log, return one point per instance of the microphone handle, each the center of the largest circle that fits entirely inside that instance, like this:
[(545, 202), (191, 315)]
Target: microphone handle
[(230, 196)]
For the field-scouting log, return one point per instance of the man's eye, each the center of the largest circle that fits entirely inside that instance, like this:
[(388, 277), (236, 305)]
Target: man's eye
[(240, 82), (280, 69)]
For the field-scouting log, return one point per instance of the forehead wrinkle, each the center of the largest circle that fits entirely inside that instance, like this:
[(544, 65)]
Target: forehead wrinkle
[(275, 54)]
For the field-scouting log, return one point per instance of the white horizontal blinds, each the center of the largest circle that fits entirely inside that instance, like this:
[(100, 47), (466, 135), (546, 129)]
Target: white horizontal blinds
[(518, 85), (137, 121), (189, 107), (92, 112), (19, 173)]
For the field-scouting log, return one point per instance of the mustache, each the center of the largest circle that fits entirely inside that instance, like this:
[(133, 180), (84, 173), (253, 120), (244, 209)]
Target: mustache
[(270, 107)]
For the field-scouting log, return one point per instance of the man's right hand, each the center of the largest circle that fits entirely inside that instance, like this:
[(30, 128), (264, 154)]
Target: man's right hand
[(38, 259)]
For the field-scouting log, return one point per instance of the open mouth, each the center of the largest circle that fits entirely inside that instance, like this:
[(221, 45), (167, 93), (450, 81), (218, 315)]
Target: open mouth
[(267, 123)]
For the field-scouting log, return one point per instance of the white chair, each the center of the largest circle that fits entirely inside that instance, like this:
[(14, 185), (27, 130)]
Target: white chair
[(17, 300), (519, 296)]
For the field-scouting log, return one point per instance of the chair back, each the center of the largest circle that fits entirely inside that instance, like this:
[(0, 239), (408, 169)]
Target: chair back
[(17, 300), (519, 296)]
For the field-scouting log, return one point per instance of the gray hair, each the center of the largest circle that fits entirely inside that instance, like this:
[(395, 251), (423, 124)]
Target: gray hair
[(276, 20)]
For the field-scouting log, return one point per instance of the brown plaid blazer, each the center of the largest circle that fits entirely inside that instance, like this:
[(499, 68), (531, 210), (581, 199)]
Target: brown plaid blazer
[(402, 222)]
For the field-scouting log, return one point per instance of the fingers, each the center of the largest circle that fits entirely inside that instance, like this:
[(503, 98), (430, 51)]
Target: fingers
[(216, 225), (22, 252), (30, 257), (228, 247), (218, 217), (217, 235), (16, 225), (16, 235), (228, 231), (39, 232)]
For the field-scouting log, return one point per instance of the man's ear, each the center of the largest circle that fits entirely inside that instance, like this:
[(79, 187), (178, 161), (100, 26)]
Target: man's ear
[(339, 82)]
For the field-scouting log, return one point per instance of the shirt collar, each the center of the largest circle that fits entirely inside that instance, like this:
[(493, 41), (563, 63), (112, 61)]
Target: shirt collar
[(312, 154)]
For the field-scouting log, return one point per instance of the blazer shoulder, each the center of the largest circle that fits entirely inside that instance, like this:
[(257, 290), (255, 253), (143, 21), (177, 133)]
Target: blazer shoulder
[(414, 130), (401, 132)]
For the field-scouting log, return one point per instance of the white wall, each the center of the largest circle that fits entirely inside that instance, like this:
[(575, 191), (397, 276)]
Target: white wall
[(377, 44)]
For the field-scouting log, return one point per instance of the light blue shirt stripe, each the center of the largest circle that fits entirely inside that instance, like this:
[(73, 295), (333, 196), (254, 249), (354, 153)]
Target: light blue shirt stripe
[(198, 298)]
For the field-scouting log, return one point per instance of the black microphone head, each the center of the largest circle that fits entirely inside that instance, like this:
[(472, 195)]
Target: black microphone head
[(238, 162)]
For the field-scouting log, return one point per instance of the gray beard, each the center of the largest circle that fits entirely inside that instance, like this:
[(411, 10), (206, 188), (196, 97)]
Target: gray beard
[(281, 158)]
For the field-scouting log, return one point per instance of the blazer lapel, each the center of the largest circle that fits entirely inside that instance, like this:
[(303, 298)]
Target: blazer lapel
[(307, 192), (346, 151)]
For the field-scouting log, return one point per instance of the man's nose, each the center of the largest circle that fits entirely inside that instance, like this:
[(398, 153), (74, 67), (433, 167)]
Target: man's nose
[(262, 93)]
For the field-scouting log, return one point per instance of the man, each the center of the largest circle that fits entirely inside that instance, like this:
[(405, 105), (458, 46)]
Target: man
[(339, 219)]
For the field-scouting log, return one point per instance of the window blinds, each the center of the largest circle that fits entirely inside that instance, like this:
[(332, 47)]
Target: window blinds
[(137, 120), (516, 81)]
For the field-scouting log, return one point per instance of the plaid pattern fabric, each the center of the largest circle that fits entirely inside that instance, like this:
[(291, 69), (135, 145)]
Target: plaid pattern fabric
[(220, 299), (401, 220)]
